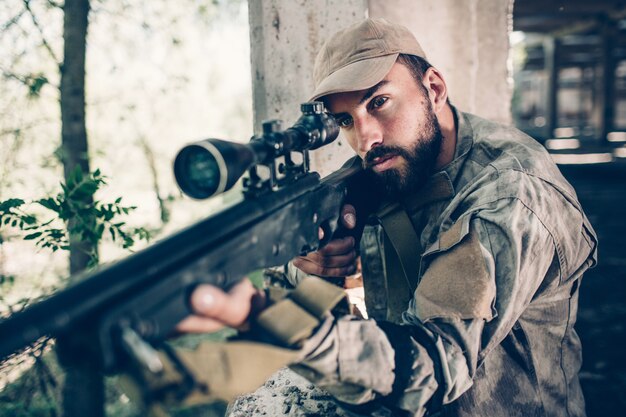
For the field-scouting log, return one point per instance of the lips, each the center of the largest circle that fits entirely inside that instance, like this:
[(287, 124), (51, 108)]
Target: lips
[(383, 163), (381, 159)]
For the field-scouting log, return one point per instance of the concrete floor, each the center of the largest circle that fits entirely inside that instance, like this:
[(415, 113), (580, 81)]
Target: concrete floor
[(602, 316)]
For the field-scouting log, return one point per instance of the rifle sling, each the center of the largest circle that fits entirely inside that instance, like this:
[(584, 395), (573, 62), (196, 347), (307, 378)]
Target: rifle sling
[(401, 233)]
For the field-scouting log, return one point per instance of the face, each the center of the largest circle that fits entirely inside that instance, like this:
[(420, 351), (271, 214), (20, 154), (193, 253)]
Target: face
[(392, 127)]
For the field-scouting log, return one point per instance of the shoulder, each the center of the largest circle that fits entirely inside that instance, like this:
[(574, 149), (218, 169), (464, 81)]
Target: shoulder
[(506, 163), (512, 182), (506, 147)]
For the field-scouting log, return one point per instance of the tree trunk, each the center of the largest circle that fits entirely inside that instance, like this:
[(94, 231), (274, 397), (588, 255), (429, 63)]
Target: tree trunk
[(83, 391), (74, 150)]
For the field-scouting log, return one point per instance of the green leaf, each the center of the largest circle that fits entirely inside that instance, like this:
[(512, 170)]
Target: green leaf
[(77, 174), (128, 242), (29, 219), (100, 230), (49, 203), (10, 203), (35, 83), (33, 236), (85, 189)]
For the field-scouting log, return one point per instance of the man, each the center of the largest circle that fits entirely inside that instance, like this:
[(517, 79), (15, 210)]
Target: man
[(483, 245)]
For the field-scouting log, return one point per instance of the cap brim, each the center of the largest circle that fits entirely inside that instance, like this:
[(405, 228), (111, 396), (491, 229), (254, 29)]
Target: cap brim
[(356, 76)]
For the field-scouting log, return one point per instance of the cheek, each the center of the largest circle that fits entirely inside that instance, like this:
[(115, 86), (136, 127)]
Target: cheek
[(412, 123), (399, 128)]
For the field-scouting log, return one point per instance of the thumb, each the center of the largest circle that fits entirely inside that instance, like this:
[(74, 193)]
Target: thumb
[(232, 308)]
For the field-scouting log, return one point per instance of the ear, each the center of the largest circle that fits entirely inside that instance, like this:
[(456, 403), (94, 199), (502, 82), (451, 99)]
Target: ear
[(436, 87)]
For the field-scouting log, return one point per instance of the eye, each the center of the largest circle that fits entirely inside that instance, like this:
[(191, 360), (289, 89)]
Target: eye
[(344, 122), (378, 101)]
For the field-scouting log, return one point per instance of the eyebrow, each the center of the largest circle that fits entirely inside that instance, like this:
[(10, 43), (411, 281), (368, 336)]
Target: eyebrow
[(366, 96), (371, 91)]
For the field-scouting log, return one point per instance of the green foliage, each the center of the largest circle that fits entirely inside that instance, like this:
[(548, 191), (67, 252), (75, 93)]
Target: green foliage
[(34, 83), (76, 216)]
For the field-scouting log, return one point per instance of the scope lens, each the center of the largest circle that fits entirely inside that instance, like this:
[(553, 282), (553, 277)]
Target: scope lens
[(197, 172)]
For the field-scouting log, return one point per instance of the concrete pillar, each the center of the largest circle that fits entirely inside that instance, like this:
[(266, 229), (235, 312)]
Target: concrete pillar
[(468, 42), (285, 36)]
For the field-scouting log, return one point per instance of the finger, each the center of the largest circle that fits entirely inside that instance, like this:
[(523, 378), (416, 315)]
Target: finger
[(332, 261), (337, 247), (348, 216), (309, 267), (197, 324), (231, 309)]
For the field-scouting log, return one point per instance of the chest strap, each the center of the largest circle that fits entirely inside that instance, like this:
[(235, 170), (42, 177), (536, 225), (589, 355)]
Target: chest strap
[(402, 247), (401, 234)]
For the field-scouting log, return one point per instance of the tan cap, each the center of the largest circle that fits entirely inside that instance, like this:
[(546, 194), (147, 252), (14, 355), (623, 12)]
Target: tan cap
[(359, 56)]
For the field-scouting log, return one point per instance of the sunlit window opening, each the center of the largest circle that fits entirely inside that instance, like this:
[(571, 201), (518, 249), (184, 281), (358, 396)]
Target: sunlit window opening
[(590, 158), (558, 144)]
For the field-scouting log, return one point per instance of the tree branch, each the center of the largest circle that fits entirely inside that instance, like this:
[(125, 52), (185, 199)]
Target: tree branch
[(149, 154), (40, 30), (17, 130), (24, 79), (12, 21)]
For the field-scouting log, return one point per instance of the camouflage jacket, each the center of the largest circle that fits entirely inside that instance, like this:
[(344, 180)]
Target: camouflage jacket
[(482, 325)]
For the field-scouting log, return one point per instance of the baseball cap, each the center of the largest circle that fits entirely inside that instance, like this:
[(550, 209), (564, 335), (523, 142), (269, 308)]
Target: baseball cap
[(359, 56)]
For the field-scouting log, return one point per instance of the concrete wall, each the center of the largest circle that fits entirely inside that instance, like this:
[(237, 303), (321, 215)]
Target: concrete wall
[(285, 36), (468, 42)]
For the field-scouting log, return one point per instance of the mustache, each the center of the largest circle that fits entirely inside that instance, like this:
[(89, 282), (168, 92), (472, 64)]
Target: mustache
[(382, 151)]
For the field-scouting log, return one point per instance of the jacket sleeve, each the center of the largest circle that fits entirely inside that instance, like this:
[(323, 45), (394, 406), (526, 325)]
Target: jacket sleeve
[(475, 283)]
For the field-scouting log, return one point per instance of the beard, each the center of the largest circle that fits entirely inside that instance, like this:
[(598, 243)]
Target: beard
[(420, 160)]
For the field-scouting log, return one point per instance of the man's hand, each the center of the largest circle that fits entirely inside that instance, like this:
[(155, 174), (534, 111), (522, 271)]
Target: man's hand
[(338, 257), (214, 308)]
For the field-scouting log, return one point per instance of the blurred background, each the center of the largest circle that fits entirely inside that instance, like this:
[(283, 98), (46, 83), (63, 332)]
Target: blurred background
[(160, 74), (570, 93)]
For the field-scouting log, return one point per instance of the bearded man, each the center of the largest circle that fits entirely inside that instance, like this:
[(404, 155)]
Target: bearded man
[(476, 252)]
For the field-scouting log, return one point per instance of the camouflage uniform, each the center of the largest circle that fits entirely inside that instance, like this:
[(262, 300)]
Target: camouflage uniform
[(488, 331)]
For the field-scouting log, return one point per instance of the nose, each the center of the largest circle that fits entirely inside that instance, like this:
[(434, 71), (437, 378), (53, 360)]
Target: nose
[(368, 133)]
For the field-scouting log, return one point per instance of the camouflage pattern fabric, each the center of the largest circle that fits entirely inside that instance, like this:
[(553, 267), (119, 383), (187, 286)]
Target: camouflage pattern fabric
[(489, 329)]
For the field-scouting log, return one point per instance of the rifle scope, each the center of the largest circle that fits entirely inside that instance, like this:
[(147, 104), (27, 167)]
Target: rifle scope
[(211, 166)]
